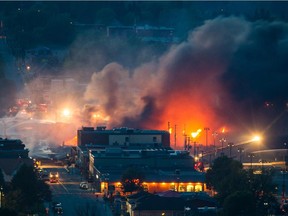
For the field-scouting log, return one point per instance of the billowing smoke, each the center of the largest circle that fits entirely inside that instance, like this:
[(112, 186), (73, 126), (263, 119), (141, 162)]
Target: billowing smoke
[(183, 86), (230, 73), (227, 73)]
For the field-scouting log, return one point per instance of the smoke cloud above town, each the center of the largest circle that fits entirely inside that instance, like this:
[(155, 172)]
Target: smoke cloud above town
[(182, 87), (228, 75), (206, 81)]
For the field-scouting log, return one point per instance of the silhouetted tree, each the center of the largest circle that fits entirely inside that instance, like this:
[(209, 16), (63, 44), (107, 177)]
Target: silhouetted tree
[(2, 181), (226, 176), (132, 180), (27, 193), (239, 203), (7, 212), (241, 192)]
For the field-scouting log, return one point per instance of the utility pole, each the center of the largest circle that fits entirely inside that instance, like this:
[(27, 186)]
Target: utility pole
[(194, 149), (214, 134), (175, 136), (222, 140), (206, 130)]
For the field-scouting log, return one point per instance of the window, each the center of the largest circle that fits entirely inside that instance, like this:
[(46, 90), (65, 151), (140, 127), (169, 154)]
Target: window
[(190, 188), (145, 187), (198, 187), (182, 188), (172, 186)]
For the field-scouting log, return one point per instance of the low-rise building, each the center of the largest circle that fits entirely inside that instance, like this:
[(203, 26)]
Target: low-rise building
[(12, 156), (172, 203), (89, 138), (162, 169), (123, 137)]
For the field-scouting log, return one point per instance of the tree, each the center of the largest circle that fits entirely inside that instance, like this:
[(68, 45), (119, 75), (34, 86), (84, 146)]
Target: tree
[(226, 176), (239, 203), (7, 212), (27, 193), (263, 188), (2, 181), (241, 189), (132, 180)]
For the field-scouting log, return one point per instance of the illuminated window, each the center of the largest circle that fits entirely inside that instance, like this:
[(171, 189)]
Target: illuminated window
[(145, 187), (182, 188), (190, 188), (198, 187), (172, 186)]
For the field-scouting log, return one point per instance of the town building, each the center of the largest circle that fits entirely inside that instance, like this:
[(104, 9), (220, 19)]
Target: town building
[(13, 155), (123, 137), (162, 168), (168, 203), (89, 138), (12, 148), (104, 155)]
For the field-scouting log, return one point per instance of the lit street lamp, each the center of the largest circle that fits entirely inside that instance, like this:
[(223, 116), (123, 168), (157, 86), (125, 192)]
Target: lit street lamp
[(251, 155), (240, 150), (222, 140), (230, 145)]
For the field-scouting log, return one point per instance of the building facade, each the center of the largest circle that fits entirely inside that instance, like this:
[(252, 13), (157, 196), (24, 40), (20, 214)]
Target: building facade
[(123, 137), (163, 170), (13, 155)]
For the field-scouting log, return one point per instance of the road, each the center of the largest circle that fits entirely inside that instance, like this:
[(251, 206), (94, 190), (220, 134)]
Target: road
[(75, 201)]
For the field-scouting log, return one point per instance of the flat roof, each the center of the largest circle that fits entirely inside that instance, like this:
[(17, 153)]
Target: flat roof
[(153, 175)]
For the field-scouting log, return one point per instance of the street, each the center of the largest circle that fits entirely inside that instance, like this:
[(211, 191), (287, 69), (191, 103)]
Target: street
[(75, 201)]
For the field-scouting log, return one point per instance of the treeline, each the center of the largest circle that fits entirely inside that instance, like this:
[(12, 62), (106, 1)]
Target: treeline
[(25, 194), (30, 23), (243, 192)]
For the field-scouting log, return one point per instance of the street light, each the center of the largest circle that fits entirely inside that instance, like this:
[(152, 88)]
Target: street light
[(251, 155), (214, 134), (222, 140), (240, 150), (230, 145)]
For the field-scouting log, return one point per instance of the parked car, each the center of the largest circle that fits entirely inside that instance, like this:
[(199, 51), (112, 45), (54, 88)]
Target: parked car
[(84, 185), (57, 208)]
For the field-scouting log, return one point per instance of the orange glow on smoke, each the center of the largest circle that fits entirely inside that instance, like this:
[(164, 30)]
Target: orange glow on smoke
[(189, 115), (72, 142)]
